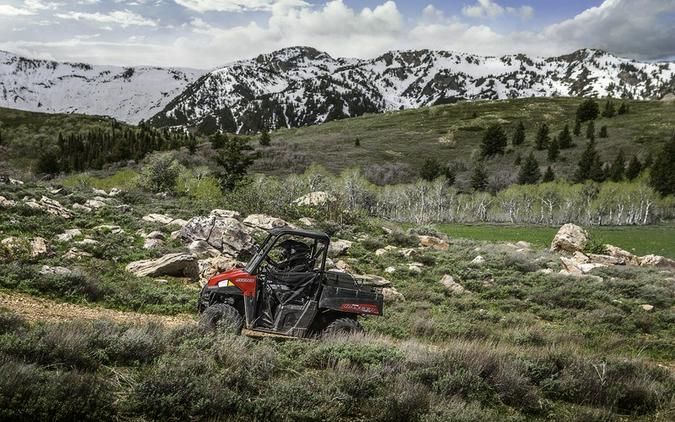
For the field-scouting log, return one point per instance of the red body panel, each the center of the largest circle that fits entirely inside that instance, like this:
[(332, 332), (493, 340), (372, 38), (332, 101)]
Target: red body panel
[(360, 308), (240, 278)]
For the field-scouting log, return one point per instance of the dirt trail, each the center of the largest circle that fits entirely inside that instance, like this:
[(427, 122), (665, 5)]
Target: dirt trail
[(38, 309)]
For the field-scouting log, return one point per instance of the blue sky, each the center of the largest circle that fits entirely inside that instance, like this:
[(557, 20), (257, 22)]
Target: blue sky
[(209, 33)]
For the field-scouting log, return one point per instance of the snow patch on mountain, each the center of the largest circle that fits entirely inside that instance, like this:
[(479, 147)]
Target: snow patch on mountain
[(129, 94)]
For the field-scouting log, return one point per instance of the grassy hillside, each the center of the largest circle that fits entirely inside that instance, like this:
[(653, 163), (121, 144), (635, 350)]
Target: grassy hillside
[(25, 134), (520, 343), (452, 133)]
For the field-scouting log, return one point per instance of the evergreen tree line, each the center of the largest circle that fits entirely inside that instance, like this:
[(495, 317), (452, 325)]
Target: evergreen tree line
[(79, 151)]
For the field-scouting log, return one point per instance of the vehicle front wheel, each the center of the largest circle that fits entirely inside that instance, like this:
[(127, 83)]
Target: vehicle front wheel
[(222, 317), (342, 326)]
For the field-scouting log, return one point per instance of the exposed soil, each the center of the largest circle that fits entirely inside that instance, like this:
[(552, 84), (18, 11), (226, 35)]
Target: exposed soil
[(38, 309)]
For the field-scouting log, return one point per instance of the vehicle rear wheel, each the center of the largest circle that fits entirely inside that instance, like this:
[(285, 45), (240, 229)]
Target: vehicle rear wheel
[(223, 318), (342, 326)]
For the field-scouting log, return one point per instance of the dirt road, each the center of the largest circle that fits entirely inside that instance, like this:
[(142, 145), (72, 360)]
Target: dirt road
[(38, 309)]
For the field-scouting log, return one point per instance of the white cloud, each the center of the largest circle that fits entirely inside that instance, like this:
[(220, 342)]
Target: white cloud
[(488, 9), (641, 28), (40, 5), (236, 5), (124, 18), (483, 9), (9, 10)]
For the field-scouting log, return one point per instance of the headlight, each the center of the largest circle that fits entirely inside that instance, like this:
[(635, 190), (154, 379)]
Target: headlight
[(224, 283)]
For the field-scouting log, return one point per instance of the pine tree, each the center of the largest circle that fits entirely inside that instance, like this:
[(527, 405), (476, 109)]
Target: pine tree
[(553, 150), (529, 172), (518, 135), (634, 168), (450, 175), (609, 110), (479, 177), (516, 162), (430, 169), (590, 131), (618, 168), (549, 176), (590, 166), (357, 142), (191, 144), (662, 176), (265, 139), (577, 127), (623, 109), (564, 138), (603, 131), (494, 141), (233, 161), (588, 110), (649, 160), (1, 137), (218, 140), (48, 162), (542, 139)]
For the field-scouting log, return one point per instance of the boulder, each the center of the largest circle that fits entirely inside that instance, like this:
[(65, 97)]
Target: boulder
[(87, 242), (570, 238), (216, 265), (114, 192), (390, 294), (343, 266), (433, 242), (657, 261), (68, 235), (576, 266), (264, 222), (415, 267), (479, 260), (410, 253), (225, 234), (617, 252), (81, 208), (315, 199), (307, 221), (152, 243), (47, 270), (521, 244), (606, 259), (224, 213), (6, 203), (175, 264), (9, 181), (76, 254), (339, 247), (50, 206), (16, 245), (451, 286), (94, 204), (201, 249), (371, 280), (155, 235), (390, 270), (647, 307), (38, 247), (164, 219)]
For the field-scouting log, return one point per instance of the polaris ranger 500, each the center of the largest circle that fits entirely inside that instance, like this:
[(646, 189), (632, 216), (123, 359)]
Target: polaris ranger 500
[(284, 290)]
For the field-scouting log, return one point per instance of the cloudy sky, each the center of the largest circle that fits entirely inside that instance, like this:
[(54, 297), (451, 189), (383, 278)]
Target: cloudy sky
[(209, 33)]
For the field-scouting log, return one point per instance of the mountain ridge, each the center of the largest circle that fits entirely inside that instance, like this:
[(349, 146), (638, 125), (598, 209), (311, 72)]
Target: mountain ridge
[(298, 86)]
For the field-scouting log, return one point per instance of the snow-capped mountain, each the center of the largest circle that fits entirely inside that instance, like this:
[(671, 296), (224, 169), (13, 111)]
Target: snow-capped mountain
[(300, 85), (128, 94)]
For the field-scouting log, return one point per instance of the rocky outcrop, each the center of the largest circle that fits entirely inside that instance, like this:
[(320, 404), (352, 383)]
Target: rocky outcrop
[(451, 286), (175, 264), (390, 294), (265, 222), (339, 247), (371, 280), (164, 219), (211, 266), (6, 203), (50, 206), (570, 238), (657, 261), (478, 261), (153, 240), (47, 270), (315, 199), (69, 235), (19, 246), (433, 242), (225, 234)]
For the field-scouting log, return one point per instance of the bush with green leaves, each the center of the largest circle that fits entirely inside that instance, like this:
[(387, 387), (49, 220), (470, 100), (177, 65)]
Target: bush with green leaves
[(161, 172)]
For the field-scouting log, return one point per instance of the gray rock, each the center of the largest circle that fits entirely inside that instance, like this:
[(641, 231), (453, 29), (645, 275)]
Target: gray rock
[(570, 238), (451, 285), (339, 247), (479, 260), (68, 235), (47, 270), (265, 222), (175, 264), (227, 235)]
